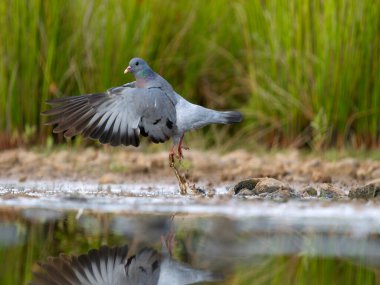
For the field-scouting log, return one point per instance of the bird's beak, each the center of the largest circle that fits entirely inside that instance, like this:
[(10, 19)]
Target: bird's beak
[(128, 69)]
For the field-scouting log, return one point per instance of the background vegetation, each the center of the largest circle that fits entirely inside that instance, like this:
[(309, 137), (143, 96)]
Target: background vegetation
[(304, 72)]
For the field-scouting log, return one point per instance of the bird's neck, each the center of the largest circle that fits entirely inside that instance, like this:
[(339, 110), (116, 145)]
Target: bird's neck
[(144, 76)]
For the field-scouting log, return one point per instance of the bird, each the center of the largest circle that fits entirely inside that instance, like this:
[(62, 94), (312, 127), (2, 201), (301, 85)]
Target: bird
[(148, 106), (112, 266)]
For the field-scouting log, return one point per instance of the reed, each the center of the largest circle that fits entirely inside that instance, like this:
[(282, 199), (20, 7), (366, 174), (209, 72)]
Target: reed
[(303, 72)]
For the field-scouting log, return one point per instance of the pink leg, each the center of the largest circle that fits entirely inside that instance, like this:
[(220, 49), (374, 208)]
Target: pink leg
[(168, 242), (181, 147)]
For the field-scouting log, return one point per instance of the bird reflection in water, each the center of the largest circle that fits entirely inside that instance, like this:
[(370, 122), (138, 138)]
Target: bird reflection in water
[(117, 266)]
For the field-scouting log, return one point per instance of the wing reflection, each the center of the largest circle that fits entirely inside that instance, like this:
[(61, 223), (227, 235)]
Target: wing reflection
[(117, 266)]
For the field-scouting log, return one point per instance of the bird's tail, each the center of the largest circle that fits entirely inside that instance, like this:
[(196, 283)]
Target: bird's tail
[(209, 276), (228, 117)]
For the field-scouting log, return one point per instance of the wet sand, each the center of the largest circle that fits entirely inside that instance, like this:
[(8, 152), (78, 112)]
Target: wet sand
[(303, 175), (134, 165)]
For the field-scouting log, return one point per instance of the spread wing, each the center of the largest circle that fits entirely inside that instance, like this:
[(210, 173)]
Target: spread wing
[(117, 116), (97, 267)]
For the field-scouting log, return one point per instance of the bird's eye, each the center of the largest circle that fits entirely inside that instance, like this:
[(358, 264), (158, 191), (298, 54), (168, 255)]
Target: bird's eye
[(137, 63)]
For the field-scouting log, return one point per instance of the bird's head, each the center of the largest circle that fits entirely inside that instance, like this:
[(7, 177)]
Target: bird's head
[(136, 66)]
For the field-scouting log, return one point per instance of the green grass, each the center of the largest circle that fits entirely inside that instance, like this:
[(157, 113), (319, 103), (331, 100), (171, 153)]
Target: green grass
[(304, 270), (304, 72)]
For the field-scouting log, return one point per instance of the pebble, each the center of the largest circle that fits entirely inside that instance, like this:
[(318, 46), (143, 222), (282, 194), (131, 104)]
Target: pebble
[(270, 185), (265, 187), (309, 191), (368, 191), (330, 191), (248, 184)]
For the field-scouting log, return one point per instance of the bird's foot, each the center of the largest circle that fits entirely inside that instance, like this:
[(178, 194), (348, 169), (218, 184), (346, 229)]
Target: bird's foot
[(180, 153), (172, 156)]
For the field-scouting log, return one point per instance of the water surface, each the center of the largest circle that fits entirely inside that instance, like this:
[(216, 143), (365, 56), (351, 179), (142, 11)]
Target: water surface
[(249, 242)]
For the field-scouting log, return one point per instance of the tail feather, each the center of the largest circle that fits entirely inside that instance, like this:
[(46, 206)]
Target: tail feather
[(196, 116), (229, 117), (208, 276)]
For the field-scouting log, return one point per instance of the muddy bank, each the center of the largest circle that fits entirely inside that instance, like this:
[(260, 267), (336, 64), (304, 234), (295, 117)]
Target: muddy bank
[(291, 173)]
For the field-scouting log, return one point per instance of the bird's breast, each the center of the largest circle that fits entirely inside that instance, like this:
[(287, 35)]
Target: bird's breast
[(141, 83)]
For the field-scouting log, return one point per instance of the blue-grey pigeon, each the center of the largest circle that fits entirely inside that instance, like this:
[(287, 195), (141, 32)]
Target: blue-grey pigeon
[(148, 106)]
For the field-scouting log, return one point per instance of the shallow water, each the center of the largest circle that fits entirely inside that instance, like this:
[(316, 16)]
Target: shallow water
[(248, 241)]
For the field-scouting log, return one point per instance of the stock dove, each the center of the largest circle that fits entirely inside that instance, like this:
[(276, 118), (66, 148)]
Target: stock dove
[(148, 106)]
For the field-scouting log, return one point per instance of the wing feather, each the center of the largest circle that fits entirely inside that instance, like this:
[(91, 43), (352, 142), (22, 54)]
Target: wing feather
[(117, 116), (97, 267), (115, 137)]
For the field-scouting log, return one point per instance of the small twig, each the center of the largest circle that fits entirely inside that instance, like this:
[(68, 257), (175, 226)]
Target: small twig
[(184, 186)]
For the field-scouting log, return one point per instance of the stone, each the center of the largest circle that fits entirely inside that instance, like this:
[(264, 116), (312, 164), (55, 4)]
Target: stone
[(280, 195), (370, 190), (248, 184), (245, 192), (330, 191), (263, 187), (309, 191), (270, 185)]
